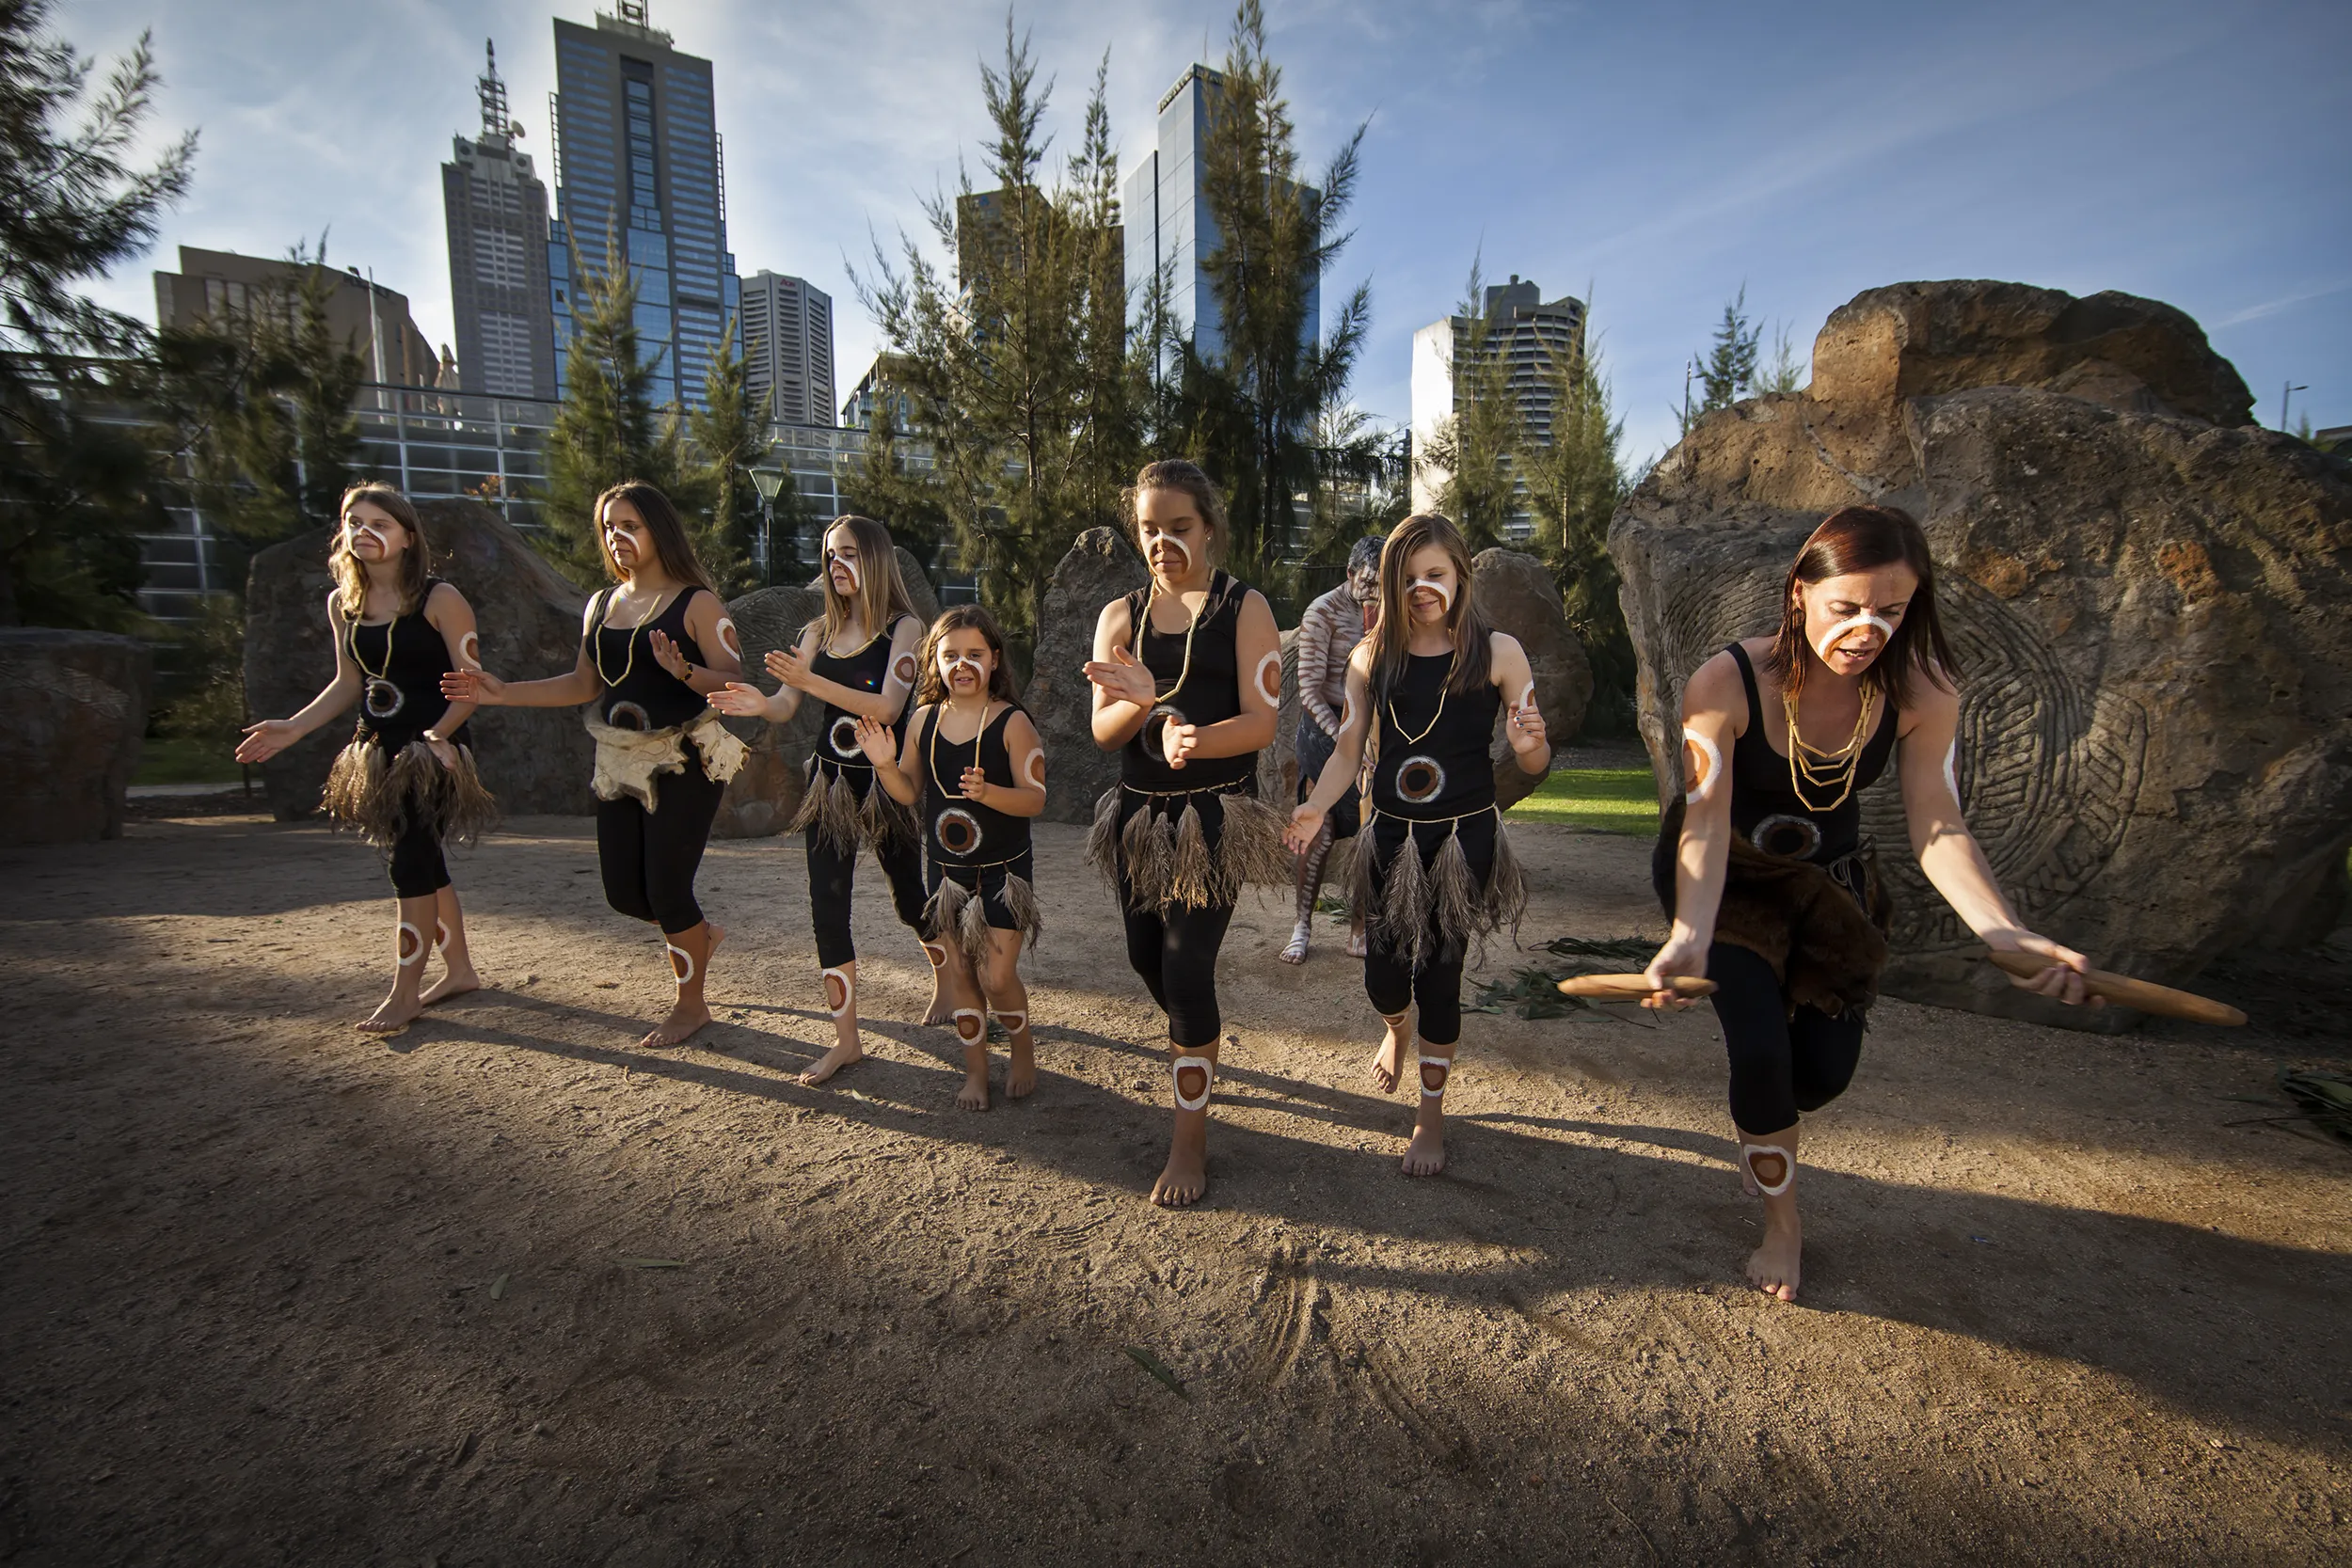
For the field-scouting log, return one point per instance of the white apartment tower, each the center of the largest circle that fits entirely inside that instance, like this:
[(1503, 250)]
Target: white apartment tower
[(787, 336), (1523, 332)]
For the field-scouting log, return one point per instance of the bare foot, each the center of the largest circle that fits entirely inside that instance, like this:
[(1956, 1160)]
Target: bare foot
[(1425, 1154), (1774, 1268), (834, 1061), (1356, 947), (974, 1095), (457, 982), (1388, 1063), (395, 1013), (1296, 952), (1021, 1071), (1186, 1175), (941, 1012), (679, 1027)]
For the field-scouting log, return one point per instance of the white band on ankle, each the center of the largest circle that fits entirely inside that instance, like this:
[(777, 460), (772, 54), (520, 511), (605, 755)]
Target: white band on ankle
[(681, 963), (1446, 1071), (406, 954), (977, 1033), (1208, 1081), (1788, 1168)]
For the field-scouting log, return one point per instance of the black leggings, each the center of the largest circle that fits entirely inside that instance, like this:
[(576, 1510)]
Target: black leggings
[(1781, 1064), (419, 870), (1434, 990), (1175, 951), (830, 875), (650, 856)]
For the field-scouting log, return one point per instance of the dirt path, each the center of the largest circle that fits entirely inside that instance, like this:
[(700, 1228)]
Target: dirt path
[(280, 1293)]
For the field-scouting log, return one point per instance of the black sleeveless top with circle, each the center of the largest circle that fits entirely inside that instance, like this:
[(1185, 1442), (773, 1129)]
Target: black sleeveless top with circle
[(862, 669), (400, 664), (1211, 692), (1446, 773), (650, 698), (1767, 813), (957, 832)]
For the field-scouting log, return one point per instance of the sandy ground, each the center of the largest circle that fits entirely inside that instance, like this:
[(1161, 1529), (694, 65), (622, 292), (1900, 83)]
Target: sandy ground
[(276, 1293)]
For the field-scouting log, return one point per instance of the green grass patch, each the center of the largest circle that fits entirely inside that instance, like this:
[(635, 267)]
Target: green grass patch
[(1606, 799), (169, 761)]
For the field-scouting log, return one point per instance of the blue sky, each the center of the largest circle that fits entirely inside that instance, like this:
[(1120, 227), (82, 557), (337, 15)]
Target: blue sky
[(1663, 154)]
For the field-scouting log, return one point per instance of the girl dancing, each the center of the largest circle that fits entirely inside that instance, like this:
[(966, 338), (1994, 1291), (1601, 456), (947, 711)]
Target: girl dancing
[(859, 660), (1761, 865), (971, 764), (651, 648), (1435, 873), (1188, 673), (404, 782)]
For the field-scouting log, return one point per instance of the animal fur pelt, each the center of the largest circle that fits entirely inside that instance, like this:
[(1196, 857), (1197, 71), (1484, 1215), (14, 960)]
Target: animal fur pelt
[(1827, 950), (1165, 850), (628, 761), (382, 797)]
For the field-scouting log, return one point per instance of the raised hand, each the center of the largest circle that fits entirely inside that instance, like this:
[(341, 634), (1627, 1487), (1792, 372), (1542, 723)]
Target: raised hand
[(1526, 730), (1122, 678), (265, 739), (975, 783), (478, 686), (669, 656), (1306, 826), (740, 701), (788, 666), (878, 740)]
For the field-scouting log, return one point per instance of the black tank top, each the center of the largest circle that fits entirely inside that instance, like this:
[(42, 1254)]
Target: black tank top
[(639, 693), (1768, 813), (400, 664), (1433, 744), (862, 669), (957, 832), (1210, 693)]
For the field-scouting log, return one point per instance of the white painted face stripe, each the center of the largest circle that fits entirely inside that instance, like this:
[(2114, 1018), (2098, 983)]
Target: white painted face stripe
[(1438, 586), (1444, 1066), (848, 564), (1269, 676), (1710, 766), (411, 948), (1852, 624), (1176, 543), (950, 663), (849, 991), (681, 964), (1788, 1168), (359, 530), (1176, 1070)]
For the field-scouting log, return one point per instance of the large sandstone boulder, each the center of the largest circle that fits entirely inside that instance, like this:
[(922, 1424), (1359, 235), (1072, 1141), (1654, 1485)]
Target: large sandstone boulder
[(535, 760), (1100, 567), (762, 798), (72, 708), (1518, 596), (2149, 602)]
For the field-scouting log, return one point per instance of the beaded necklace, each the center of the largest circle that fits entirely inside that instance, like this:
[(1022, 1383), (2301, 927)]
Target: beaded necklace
[(1809, 764), (595, 646), (938, 723)]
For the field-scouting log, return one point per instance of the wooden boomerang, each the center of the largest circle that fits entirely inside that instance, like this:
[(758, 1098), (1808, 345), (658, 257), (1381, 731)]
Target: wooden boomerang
[(2125, 991), (1630, 988)]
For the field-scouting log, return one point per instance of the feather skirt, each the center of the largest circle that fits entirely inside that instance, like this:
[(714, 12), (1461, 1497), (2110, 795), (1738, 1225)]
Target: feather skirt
[(847, 819), (382, 798), (1418, 910), (957, 909), (1162, 855)]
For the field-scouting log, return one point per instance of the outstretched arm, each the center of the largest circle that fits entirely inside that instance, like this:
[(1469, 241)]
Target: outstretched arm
[(1714, 705), (265, 739), (793, 669), (1949, 852), (743, 699), (581, 684), (1347, 752), (447, 611)]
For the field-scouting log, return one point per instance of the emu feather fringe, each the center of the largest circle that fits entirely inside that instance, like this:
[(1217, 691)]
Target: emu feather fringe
[(847, 822), (382, 797), (958, 909), (628, 761), (1417, 910), (1164, 853)]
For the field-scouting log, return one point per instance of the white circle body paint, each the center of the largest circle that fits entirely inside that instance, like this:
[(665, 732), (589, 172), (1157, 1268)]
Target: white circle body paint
[(469, 650), (1270, 676), (728, 639), (1951, 770), (411, 947), (842, 737), (840, 991), (1711, 760), (970, 1025), (1034, 768), (681, 964)]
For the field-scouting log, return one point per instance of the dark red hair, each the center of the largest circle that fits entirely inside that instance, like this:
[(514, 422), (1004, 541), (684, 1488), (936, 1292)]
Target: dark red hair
[(1863, 539)]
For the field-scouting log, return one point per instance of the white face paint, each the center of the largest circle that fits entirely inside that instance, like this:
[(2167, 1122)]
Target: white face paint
[(1852, 624), (1270, 676), (1176, 543), (359, 529), (847, 563), (1436, 585), (951, 662), (727, 638), (1701, 764)]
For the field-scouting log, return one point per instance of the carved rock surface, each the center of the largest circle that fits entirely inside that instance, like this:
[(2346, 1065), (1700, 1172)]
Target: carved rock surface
[(72, 708), (1100, 567), (762, 798), (2153, 615), (535, 760)]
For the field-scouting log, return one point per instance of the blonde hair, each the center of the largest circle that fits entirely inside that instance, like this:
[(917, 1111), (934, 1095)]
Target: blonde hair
[(1392, 633), (881, 593), (351, 578)]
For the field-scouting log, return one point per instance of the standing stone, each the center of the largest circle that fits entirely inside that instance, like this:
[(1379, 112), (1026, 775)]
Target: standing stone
[(762, 798), (534, 760), (73, 709), (1100, 567), (1518, 596), (2147, 600)]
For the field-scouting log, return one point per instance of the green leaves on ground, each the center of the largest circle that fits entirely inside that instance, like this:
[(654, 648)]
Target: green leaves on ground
[(1158, 1368), (1533, 992)]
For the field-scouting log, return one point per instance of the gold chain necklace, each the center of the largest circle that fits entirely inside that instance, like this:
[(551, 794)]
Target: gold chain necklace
[(931, 761), (595, 644), (1811, 765)]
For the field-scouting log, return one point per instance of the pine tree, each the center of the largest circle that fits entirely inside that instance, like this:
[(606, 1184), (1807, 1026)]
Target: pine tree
[(1729, 369), (73, 484), (887, 485), (1784, 372), (1574, 485), (1476, 447), (728, 433)]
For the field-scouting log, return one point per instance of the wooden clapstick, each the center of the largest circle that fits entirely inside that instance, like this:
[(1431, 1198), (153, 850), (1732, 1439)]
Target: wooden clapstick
[(1630, 988), (2125, 991)]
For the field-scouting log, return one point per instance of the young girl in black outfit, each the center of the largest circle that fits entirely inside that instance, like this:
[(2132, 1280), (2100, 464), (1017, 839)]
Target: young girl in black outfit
[(859, 660), (972, 764), (651, 648), (1434, 868), (1188, 673), (405, 781), (1761, 864)]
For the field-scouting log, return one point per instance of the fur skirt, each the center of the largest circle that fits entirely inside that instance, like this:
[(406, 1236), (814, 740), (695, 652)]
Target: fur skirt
[(384, 796), (630, 762), (1163, 850)]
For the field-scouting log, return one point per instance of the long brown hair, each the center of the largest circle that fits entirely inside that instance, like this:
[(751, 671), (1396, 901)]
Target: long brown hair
[(963, 617), (1473, 637), (1180, 473), (1862, 539), (671, 544), (882, 591), (351, 577)]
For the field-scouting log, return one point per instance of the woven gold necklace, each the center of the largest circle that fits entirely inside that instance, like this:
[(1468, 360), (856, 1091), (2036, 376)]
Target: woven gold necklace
[(595, 644), (1811, 765)]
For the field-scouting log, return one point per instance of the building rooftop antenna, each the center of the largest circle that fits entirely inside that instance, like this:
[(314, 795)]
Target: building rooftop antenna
[(496, 121)]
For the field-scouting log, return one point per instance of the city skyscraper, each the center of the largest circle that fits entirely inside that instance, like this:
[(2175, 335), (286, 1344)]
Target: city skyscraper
[(497, 213), (1168, 219), (639, 164), (1526, 334), (787, 347)]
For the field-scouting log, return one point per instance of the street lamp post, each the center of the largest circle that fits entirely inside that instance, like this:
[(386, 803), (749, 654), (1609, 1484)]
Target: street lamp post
[(770, 482), (2287, 398)]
